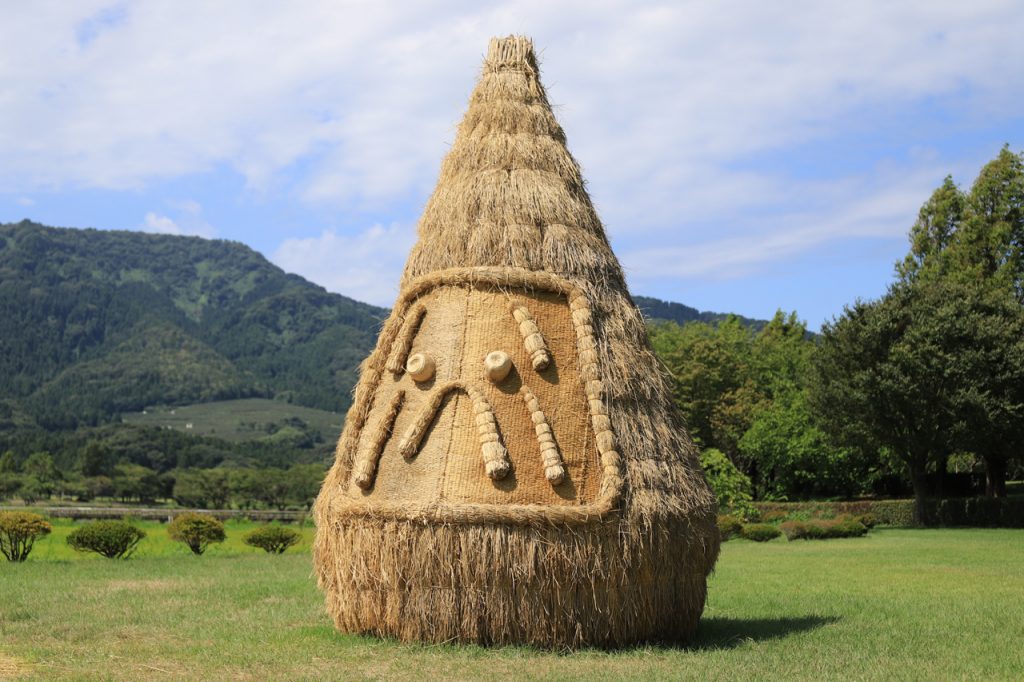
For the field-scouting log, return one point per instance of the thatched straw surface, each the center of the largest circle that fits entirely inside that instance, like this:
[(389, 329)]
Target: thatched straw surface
[(620, 558)]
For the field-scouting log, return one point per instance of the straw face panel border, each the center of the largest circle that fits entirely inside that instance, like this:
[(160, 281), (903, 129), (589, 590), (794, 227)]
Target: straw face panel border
[(396, 336)]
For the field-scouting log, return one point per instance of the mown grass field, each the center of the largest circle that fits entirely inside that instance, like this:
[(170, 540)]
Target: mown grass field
[(237, 420), (898, 604)]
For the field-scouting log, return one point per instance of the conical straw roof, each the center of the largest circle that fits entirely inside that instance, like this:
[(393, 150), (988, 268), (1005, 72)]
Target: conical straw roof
[(509, 192), (510, 216)]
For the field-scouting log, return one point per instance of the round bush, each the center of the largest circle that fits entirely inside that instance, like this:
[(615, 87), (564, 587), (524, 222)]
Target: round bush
[(112, 539), (196, 530), (729, 526), (272, 539), (760, 532), (19, 532)]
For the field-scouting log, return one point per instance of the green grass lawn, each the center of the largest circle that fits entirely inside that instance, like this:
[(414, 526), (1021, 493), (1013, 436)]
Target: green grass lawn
[(898, 604)]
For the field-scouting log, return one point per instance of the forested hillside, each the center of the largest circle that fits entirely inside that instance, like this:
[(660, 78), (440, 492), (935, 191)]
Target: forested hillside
[(96, 323), (667, 311)]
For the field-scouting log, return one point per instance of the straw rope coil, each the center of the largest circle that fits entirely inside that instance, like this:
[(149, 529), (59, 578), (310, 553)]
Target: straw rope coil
[(532, 339), (554, 469)]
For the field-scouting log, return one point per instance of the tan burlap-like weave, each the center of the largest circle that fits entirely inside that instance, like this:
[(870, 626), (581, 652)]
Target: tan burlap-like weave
[(461, 325)]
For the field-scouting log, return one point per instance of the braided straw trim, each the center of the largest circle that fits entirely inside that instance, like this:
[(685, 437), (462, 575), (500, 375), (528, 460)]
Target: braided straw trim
[(496, 462), (554, 469), (586, 345), (400, 351), (365, 470), (532, 338)]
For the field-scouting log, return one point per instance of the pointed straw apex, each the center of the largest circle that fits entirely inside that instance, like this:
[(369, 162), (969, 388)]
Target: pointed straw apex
[(511, 52)]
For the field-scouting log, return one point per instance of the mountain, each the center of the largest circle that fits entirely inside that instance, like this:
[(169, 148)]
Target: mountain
[(97, 323), (655, 309)]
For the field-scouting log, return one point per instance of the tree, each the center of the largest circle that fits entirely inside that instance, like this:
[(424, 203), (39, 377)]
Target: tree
[(32, 489), (984, 329), (730, 485), (196, 530), (9, 485), (304, 481), (95, 460), (273, 487), (40, 466), (8, 463), (19, 532), (881, 381), (135, 482), (938, 222), (710, 365), (972, 248), (795, 458), (202, 488), (990, 242)]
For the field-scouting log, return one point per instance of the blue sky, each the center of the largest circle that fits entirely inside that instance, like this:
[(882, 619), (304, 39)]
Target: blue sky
[(744, 156)]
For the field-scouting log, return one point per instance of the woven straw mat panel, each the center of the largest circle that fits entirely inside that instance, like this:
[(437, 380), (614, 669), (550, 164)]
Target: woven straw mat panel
[(461, 325)]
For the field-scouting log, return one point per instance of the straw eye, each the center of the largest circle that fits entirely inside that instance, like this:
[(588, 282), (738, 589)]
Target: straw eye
[(497, 365), (420, 366)]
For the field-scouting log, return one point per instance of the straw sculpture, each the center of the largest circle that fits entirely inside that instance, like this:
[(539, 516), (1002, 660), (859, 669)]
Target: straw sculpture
[(513, 469)]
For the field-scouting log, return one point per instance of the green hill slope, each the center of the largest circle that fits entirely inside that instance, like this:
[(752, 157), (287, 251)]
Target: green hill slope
[(656, 310), (95, 323)]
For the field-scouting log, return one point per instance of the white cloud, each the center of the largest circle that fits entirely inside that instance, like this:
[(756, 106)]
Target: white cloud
[(160, 224), (365, 267), (26, 201), (880, 205), (189, 221), (351, 104)]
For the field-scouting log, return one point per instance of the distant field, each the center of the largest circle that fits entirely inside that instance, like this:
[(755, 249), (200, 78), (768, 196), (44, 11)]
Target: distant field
[(237, 420), (898, 604)]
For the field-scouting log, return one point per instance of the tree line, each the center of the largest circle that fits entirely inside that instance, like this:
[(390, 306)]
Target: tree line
[(919, 388), (95, 477)]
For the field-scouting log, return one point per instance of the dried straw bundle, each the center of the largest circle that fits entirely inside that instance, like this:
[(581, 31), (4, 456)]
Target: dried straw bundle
[(623, 557)]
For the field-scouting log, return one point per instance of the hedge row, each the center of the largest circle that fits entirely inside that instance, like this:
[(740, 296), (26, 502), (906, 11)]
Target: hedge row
[(989, 512), (822, 529)]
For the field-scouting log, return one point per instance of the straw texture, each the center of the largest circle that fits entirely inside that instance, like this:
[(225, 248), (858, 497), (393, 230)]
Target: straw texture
[(561, 504)]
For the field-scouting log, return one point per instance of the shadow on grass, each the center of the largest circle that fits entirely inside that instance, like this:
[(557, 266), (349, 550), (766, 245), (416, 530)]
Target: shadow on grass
[(715, 632)]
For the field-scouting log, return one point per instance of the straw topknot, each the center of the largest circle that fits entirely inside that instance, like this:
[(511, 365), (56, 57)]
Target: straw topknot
[(513, 468)]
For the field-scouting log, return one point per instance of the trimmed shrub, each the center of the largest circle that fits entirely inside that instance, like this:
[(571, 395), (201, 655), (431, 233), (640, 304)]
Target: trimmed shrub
[(867, 520), (794, 530), (729, 526), (992, 512), (112, 539), (823, 529), (773, 516), (760, 532), (19, 532), (898, 513), (196, 530), (272, 539)]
